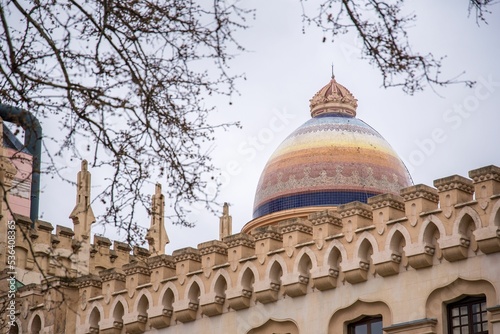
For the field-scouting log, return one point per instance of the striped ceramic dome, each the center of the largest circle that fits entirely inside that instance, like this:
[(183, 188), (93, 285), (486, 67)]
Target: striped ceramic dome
[(332, 159)]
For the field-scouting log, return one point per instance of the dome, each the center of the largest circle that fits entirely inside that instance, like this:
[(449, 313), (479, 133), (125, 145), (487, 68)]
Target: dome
[(332, 159)]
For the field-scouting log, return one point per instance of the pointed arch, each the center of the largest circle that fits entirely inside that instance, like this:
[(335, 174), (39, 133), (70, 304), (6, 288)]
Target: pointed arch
[(194, 280), (15, 328), (168, 299), (364, 244), (143, 303), (456, 290), (304, 265), (369, 238), (276, 269), (358, 310), (495, 215), (220, 286), (221, 273), (276, 326), (168, 295), (335, 254), (299, 263), (120, 299), (118, 311), (36, 323), (247, 276), (465, 217), (95, 316), (389, 242), (438, 224)]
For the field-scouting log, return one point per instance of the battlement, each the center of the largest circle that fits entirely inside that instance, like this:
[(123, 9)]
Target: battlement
[(390, 236)]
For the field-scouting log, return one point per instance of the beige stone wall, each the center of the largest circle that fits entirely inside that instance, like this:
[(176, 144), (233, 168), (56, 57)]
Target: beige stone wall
[(399, 257)]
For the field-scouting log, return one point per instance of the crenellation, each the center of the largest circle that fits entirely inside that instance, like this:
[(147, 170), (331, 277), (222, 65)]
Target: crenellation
[(290, 259), (486, 185), (113, 274), (355, 217), (239, 246), (89, 286), (455, 182), (325, 224), (325, 217), (44, 230), (353, 209), (315, 256), (101, 242), (419, 199), (186, 260), (213, 253), (387, 208), (121, 253), (137, 273), (240, 239), (65, 236), (100, 254), (162, 268), (140, 253), (453, 190), (267, 240), (295, 232)]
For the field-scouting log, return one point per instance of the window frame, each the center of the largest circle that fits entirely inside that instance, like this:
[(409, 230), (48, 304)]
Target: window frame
[(467, 302), (368, 320)]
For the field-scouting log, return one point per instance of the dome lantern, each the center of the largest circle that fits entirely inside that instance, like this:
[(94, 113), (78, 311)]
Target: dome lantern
[(333, 98)]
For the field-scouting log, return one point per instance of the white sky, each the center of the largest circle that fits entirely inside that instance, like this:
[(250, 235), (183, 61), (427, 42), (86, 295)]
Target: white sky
[(285, 68)]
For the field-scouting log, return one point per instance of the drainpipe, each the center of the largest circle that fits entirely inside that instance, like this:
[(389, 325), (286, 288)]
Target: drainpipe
[(33, 143)]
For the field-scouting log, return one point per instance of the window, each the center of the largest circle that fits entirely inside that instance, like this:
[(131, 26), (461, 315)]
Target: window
[(368, 325), (468, 316)]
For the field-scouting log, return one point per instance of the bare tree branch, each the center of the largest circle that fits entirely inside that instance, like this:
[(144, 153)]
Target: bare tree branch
[(383, 30), (134, 76)]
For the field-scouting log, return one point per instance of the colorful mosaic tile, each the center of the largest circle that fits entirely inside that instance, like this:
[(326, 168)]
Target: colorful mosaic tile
[(332, 159)]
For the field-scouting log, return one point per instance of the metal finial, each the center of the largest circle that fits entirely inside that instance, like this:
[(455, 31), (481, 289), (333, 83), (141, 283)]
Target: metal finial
[(333, 74)]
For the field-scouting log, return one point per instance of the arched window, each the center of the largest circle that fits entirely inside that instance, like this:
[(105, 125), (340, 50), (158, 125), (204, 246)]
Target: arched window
[(14, 329), (365, 254), (367, 325), (167, 302), (118, 315), (94, 319), (305, 265), (275, 275), (397, 245), (431, 235), (142, 309), (468, 315), (334, 260), (247, 280), (220, 287), (194, 296)]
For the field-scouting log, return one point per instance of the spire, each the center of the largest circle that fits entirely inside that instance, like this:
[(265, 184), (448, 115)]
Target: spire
[(333, 98), (83, 215), (225, 223), (157, 235)]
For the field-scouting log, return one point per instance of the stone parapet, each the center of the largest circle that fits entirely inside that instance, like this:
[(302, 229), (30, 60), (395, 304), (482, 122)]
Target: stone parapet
[(326, 252)]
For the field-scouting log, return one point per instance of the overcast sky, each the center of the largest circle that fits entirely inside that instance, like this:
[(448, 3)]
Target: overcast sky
[(435, 135)]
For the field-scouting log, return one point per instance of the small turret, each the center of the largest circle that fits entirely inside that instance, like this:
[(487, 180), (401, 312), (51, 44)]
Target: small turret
[(82, 215), (157, 235), (225, 223)]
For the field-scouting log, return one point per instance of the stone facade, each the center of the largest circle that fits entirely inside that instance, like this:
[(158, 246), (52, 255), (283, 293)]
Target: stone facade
[(402, 258), (409, 259)]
